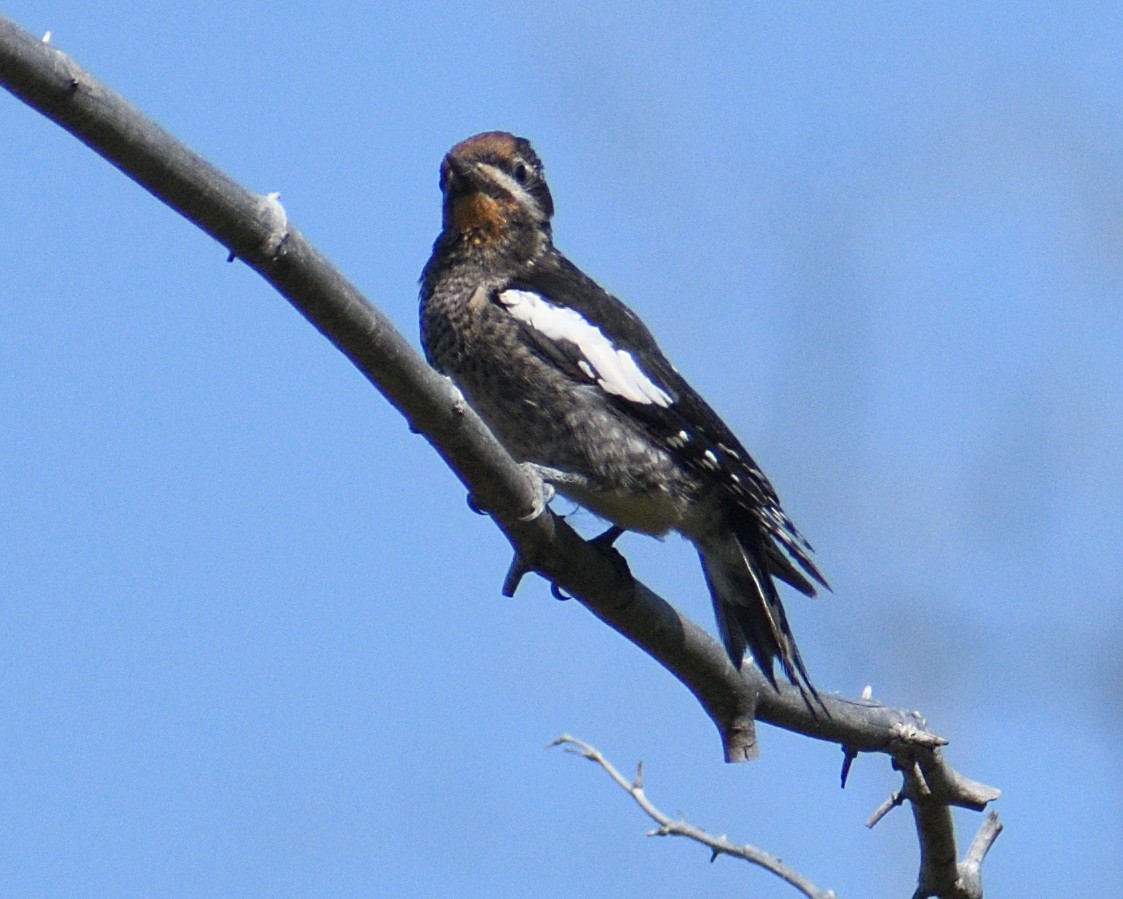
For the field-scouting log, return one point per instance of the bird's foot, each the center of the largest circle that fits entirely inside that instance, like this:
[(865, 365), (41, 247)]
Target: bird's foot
[(604, 543), (544, 490)]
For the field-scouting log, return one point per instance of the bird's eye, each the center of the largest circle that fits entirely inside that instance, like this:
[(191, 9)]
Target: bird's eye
[(521, 173)]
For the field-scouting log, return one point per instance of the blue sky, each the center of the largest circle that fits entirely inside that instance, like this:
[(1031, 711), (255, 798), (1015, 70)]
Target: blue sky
[(253, 642)]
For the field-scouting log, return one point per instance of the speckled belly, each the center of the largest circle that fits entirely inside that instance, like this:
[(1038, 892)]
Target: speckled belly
[(620, 474)]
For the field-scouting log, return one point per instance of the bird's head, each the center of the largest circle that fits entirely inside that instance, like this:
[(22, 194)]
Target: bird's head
[(494, 188)]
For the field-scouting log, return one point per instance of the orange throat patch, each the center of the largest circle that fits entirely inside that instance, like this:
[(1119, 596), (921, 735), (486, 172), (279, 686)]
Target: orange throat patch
[(477, 216)]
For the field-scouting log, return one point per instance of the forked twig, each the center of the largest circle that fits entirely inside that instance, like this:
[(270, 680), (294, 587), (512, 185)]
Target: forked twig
[(670, 827)]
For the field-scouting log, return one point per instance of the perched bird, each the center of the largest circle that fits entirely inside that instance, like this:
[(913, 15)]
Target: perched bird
[(572, 382)]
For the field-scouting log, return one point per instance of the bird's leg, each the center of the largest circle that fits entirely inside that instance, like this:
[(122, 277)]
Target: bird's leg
[(558, 477), (602, 542), (544, 492), (543, 480)]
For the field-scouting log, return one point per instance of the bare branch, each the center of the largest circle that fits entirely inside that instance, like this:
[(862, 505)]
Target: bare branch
[(670, 827), (895, 800), (988, 832), (970, 869), (255, 229), (928, 784)]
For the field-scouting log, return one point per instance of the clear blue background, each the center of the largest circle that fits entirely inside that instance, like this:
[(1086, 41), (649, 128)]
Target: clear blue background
[(251, 639)]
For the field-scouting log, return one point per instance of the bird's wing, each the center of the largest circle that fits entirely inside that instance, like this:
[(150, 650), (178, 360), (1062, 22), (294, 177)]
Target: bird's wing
[(582, 349), (596, 339)]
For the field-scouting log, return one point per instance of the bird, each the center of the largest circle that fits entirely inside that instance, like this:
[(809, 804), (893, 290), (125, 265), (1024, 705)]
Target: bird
[(574, 385)]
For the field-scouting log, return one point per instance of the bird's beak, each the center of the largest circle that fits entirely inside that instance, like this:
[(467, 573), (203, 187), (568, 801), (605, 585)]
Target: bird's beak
[(463, 175), (469, 206)]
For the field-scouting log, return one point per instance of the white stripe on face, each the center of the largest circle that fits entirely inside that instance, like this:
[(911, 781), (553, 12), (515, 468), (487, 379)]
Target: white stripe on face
[(613, 369), (522, 196)]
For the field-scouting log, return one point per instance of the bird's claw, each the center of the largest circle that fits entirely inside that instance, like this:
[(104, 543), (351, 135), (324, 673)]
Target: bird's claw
[(603, 543), (543, 490)]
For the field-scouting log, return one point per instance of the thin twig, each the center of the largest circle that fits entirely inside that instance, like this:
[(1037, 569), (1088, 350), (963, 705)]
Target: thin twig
[(670, 827), (895, 800)]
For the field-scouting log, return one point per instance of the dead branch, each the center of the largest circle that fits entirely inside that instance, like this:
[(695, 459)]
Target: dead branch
[(671, 827)]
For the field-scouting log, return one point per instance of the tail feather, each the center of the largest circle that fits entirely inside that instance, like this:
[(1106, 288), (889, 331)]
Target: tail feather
[(781, 566), (748, 608)]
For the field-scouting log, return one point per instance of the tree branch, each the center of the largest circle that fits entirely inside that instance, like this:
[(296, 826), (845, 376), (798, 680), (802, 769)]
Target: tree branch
[(670, 827), (940, 874), (255, 229)]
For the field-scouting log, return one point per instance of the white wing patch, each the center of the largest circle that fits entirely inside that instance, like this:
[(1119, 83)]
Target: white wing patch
[(613, 369)]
